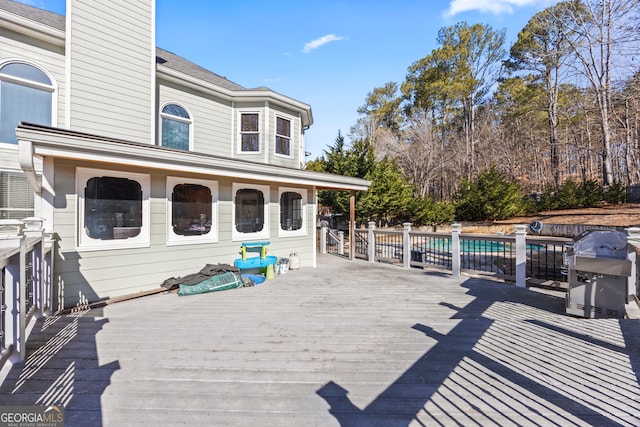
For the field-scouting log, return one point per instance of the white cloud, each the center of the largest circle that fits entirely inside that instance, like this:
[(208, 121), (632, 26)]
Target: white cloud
[(314, 44), (493, 6)]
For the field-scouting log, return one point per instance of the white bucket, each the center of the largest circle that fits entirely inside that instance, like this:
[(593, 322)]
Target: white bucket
[(283, 268), (294, 261)]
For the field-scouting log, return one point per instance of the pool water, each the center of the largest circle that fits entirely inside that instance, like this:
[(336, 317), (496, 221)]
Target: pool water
[(473, 246)]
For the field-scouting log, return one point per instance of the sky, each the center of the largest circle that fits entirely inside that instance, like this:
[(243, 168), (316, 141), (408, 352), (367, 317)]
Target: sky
[(326, 53)]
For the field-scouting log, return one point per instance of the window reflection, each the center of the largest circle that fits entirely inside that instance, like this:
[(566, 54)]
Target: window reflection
[(191, 209), (112, 208)]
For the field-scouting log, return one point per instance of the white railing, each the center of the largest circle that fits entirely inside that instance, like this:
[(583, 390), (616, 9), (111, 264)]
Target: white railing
[(26, 273), (518, 258)]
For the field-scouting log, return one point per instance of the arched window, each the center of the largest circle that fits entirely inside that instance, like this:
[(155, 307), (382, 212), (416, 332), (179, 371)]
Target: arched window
[(176, 127), (26, 95)]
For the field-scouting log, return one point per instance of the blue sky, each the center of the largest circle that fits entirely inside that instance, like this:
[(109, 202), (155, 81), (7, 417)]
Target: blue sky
[(326, 53)]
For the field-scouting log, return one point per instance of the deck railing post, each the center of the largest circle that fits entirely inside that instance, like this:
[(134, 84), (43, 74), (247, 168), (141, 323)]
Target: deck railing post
[(633, 239), (47, 273), (371, 250), (406, 245), (324, 231), (455, 249), (33, 228), (12, 236), (340, 242), (521, 256)]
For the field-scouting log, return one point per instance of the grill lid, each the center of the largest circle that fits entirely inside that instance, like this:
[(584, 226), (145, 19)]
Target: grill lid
[(601, 244)]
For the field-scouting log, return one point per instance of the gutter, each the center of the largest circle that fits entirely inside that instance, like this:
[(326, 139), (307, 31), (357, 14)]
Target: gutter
[(28, 27), (25, 157), (44, 141)]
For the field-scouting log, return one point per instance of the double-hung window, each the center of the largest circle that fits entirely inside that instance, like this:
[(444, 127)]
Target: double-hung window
[(249, 132), (26, 95), (283, 136), (176, 127), (192, 210), (113, 209)]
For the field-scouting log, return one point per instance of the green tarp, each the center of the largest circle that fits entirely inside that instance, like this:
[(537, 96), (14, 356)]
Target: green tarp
[(219, 282)]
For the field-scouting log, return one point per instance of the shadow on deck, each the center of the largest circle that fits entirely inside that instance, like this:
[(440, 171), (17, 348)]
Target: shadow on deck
[(347, 343)]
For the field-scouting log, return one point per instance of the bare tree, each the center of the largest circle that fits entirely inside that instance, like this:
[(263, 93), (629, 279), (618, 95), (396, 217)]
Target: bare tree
[(416, 150), (604, 35)]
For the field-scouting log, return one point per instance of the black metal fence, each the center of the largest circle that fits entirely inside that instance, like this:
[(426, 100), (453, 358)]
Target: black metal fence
[(478, 253)]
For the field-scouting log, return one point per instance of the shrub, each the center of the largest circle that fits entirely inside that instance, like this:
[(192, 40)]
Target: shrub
[(616, 193), (491, 197)]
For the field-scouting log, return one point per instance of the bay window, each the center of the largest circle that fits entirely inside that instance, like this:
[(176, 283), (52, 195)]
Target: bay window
[(283, 136), (249, 132)]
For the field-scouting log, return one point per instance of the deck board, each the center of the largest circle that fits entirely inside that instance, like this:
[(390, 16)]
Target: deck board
[(348, 343)]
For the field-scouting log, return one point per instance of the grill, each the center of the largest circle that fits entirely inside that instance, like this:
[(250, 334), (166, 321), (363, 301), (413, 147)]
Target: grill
[(599, 274)]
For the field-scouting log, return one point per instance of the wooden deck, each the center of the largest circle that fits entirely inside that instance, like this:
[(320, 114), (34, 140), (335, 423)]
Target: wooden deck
[(349, 343)]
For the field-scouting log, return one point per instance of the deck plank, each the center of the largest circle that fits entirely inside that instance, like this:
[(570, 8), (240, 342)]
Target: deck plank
[(348, 343)]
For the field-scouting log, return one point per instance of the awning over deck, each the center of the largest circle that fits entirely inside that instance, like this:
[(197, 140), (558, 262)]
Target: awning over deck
[(44, 141)]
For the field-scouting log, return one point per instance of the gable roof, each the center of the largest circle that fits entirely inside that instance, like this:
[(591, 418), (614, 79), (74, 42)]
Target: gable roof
[(51, 26)]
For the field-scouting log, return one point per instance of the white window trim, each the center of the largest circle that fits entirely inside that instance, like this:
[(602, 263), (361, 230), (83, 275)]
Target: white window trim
[(178, 119), (264, 233), (303, 229), (174, 239), (260, 132), (275, 135), (53, 88), (86, 243)]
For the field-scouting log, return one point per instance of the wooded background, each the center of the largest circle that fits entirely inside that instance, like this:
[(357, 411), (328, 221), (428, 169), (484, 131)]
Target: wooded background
[(562, 104)]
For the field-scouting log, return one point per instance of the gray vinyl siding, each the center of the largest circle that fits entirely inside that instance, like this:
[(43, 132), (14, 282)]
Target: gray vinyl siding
[(111, 69), (211, 117), (101, 274), (42, 54)]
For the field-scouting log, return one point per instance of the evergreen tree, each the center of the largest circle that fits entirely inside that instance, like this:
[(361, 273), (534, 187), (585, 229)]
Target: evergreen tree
[(492, 196)]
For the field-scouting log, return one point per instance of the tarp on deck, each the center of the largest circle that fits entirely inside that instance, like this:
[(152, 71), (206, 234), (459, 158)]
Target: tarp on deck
[(219, 282), (210, 278)]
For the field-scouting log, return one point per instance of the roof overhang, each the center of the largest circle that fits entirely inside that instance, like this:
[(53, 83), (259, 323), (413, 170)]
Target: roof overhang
[(246, 95), (31, 28), (44, 141)]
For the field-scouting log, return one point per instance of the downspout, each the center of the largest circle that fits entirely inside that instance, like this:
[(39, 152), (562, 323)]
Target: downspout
[(25, 157)]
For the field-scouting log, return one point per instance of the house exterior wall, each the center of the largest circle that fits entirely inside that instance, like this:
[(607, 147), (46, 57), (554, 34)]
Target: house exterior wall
[(296, 135), (212, 125), (110, 48), (109, 87), (90, 275), (49, 57)]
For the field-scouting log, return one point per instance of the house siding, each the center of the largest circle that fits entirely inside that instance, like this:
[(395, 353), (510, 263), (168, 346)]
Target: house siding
[(108, 92), (111, 61), (45, 55), (210, 115), (91, 275)]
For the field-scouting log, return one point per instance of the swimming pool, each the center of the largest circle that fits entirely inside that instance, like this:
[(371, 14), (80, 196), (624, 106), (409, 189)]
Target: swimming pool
[(473, 246)]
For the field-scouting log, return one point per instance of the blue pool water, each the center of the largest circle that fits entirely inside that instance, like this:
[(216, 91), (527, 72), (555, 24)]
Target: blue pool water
[(473, 246)]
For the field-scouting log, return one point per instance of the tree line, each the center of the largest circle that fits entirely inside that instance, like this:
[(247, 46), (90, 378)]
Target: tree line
[(556, 112)]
